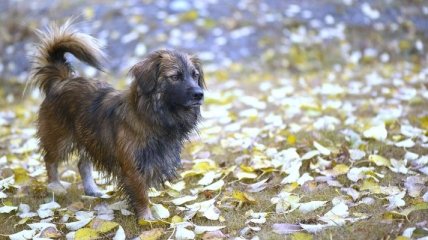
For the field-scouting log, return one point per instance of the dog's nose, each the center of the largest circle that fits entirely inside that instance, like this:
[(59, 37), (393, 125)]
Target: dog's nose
[(197, 94)]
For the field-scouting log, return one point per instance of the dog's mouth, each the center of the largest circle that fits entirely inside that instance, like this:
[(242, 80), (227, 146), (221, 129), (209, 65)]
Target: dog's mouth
[(193, 104)]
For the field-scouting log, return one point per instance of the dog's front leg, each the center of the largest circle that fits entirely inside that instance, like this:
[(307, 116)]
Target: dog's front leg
[(136, 189)]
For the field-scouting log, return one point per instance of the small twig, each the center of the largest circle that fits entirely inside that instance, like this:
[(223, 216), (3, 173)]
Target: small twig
[(173, 231)]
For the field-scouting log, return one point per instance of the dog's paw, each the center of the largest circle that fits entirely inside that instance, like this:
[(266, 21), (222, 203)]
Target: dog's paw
[(146, 215), (94, 193), (57, 188), (91, 189)]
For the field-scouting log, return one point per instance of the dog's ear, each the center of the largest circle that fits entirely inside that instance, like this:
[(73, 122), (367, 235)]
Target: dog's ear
[(146, 73), (198, 65)]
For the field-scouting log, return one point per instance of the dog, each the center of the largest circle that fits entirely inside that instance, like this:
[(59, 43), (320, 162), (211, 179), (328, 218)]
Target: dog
[(135, 136)]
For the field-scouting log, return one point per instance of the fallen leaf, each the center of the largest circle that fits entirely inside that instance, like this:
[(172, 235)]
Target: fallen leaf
[(214, 235), (120, 234), (209, 177), (323, 150), (73, 226), (50, 233), (23, 235), (159, 211), (379, 160), (41, 225), (285, 202), (215, 186), (337, 215), (184, 199), (258, 186), (377, 132), (242, 197), (153, 234), (8, 209), (416, 207), (408, 143), (203, 229), (313, 228), (301, 236), (86, 234), (311, 206), (286, 228), (396, 201), (102, 226), (182, 233), (414, 185)]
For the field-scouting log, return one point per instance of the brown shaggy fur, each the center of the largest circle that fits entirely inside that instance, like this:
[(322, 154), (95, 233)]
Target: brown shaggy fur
[(135, 135)]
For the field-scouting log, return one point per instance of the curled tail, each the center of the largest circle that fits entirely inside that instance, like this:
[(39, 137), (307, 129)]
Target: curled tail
[(50, 65)]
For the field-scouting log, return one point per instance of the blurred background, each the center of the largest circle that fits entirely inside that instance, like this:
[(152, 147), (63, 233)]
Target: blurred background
[(284, 78), (231, 37)]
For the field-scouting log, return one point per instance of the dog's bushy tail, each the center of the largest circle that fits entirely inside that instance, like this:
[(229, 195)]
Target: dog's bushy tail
[(50, 65)]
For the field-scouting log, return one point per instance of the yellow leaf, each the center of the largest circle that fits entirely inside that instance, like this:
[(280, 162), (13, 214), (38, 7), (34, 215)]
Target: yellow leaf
[(243, 197), (290, 187), (402, 238), (310, 107), (291, 139), (23, 221), (379, 160), (269, 170), (103, 226), (340, 169), (21, 175), (370, 185), (153, 234), (86, 234), (424, 122), (301, 236), (419, 206), (189, 16), (200, 167), (245, 175), (204, 166), (392, 216), (176, 219), (246, 168), (195, 147)]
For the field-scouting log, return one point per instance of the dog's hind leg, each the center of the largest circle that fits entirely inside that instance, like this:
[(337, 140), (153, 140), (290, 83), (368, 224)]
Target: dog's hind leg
[(89, 185), (54, 183)]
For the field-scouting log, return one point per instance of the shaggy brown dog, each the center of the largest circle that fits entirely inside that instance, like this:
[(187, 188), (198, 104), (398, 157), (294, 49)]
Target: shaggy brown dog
[(135, 135)]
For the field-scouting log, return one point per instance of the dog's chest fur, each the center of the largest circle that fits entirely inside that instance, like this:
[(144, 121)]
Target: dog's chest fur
[(159, 160)]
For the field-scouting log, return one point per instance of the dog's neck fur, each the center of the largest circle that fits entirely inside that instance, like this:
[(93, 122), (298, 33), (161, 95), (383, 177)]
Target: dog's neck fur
[(166, 123)]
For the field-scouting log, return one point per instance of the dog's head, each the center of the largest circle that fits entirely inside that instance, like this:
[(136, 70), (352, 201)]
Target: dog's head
[(171, 81)]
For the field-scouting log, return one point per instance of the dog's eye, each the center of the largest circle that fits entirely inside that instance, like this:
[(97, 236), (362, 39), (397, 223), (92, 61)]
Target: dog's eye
[(175, 77), (195, 75)]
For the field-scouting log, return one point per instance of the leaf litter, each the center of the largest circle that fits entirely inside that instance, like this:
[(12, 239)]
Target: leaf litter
[(270, 145)]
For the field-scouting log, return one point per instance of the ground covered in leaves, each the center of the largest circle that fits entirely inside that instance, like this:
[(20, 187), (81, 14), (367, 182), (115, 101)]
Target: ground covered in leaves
[(320, 131)]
